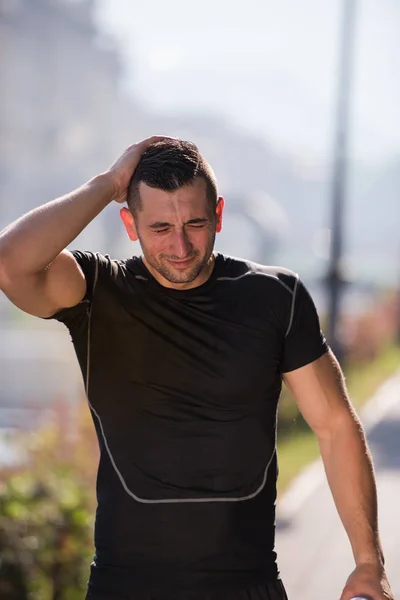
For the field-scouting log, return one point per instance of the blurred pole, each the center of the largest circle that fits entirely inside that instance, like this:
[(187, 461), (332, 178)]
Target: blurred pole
[(398, 313), (335, 277)]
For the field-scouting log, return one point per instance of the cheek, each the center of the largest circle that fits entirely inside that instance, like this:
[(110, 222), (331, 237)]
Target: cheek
[(201, 237), (154, 244)]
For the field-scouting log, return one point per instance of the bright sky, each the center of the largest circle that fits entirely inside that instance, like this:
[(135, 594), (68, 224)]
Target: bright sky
[(268, 66)]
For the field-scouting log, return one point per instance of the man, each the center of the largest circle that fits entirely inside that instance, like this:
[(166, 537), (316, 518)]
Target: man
[(183, 352)]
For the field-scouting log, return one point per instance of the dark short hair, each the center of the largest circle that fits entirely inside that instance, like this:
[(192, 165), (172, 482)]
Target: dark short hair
[(168, 165)]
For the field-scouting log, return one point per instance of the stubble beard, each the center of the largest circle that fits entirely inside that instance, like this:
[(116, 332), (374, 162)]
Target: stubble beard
[(177, 276)]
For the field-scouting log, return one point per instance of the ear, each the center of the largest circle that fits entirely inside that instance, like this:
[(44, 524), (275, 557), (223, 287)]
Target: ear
[(219, 210), (129, 222)]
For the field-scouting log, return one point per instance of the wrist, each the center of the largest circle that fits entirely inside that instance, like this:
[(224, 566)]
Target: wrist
[(369, 552), (104, 186), (374, 562)]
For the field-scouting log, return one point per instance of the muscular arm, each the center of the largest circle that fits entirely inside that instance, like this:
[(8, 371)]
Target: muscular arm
[(36, 272), (320, 391)]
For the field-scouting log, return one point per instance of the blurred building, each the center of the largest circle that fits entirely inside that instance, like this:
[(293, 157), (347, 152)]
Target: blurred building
[(59, 96), (59, 81)]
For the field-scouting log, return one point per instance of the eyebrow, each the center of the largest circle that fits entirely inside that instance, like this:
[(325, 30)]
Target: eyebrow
[(162, 224)]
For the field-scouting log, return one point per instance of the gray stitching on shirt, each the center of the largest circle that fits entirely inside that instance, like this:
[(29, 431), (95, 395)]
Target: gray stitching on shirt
[(254, 273), (293, 304), (96, 273), (175, 500)]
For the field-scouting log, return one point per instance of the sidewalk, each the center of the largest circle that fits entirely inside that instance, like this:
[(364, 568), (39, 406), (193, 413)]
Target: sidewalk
[(314, 555)]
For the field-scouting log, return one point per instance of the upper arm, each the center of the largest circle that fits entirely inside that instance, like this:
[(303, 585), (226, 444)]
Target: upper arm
[(61, 285), (310, 370), (320, 392)]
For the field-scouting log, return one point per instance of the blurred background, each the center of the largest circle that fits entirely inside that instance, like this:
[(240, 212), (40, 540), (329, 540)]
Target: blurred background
[(296, 107)]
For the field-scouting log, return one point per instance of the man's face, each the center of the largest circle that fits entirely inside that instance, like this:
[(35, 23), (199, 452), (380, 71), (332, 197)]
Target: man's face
[(176, 231)]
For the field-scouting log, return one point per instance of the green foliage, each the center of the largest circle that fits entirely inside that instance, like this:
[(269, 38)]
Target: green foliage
[(46, 519)]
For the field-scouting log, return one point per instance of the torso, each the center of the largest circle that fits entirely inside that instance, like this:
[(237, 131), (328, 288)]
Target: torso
[(183, 388)]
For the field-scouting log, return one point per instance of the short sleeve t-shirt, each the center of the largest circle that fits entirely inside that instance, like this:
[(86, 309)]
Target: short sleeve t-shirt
[(183, 387)]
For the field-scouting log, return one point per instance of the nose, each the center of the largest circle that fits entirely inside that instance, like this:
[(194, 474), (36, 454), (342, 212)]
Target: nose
[(181, 246)]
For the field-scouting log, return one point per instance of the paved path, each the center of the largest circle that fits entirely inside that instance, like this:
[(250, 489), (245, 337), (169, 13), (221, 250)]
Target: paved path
[(313, 552)]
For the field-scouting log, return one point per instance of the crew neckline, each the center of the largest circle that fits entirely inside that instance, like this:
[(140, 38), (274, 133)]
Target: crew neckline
[(190, 292)]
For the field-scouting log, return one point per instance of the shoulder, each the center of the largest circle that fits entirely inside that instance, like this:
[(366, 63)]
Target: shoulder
[(246, 271), (102, 272), (103, 265)]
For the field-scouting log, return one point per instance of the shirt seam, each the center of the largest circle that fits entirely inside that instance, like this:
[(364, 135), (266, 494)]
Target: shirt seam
[(292, 306), (257, 273)]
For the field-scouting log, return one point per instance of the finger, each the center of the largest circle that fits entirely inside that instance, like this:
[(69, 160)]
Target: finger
[(156, 138), (142, 145)]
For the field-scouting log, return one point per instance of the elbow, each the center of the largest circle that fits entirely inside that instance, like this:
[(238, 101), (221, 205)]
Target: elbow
[(4, 275), (4, 281), (10, 262), (342, 423)]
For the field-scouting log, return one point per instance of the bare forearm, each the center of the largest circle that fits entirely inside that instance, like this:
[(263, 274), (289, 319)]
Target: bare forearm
[(32, 242), (351, 477)]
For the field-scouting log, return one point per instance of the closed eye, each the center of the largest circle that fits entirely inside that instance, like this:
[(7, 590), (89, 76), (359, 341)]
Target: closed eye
[(197, 223), (164, 227)]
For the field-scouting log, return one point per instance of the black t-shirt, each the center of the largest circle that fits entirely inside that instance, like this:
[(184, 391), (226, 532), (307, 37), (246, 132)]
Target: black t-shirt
[(183, 386)]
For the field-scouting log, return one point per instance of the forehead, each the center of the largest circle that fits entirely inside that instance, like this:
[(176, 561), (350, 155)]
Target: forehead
[(186, 202)]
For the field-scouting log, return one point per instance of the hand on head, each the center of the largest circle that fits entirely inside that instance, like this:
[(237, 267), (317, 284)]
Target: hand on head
[(122, 170)]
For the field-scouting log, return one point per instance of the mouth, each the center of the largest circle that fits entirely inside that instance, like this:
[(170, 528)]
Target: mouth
[(181, 264)]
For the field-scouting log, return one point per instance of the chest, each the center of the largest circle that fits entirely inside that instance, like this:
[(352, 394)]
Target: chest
[(198, 351)]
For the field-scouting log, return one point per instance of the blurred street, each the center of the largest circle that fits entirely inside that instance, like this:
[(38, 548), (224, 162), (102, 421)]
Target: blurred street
[(314, 555)]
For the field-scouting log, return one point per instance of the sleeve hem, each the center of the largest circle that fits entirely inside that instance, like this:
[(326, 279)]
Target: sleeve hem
[(306, 360)]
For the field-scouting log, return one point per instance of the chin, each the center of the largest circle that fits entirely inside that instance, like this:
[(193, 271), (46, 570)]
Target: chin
[(179, 277), (182, 275)]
